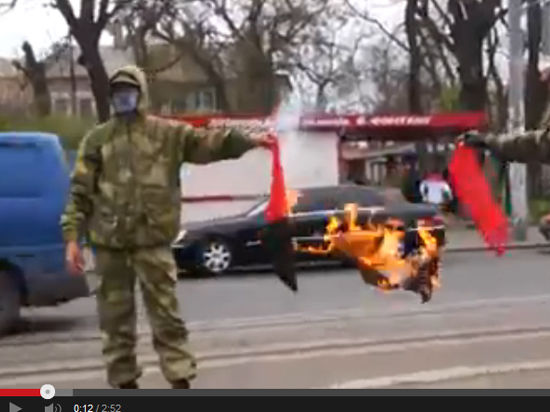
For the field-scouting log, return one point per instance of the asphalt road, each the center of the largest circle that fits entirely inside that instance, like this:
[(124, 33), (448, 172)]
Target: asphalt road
[(488, 326)]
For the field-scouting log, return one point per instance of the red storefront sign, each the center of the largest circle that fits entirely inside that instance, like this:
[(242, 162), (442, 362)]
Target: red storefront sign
[(359, 126)]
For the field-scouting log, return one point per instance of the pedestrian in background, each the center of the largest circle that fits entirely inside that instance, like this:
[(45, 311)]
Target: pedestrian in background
[(411, 180)]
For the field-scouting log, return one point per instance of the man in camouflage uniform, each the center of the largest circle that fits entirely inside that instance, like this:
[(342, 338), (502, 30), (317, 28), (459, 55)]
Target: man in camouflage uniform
[(125, 192)]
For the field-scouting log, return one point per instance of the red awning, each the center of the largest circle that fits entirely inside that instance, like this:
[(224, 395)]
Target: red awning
[(398, 127), (358, 126)]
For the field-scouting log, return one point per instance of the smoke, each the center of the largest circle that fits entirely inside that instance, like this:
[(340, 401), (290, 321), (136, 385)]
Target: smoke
[(287, 125), (287, 116)]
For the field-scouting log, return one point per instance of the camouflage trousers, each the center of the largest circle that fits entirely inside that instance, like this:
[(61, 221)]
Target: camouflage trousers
[(154, 269)]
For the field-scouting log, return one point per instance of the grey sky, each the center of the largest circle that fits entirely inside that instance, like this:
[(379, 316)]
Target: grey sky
[(31, 21), (42, 26)]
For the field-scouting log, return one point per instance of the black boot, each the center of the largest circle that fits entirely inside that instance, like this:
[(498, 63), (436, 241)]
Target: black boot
[(181, 384), (129, 385)]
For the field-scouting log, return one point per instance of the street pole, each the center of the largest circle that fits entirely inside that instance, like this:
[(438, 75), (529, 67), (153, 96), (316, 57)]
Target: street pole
[(516, 119)]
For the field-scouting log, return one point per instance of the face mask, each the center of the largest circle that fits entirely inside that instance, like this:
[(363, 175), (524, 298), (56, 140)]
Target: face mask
[(125, 101)]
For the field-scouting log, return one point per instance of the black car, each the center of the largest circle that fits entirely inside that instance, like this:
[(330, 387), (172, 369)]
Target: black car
[(218, 245)]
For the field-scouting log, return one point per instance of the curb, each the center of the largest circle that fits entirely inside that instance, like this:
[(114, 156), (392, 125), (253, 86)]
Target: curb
[(481, 248)]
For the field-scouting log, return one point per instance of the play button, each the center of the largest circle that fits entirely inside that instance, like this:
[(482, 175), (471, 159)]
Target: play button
[(14, 408)]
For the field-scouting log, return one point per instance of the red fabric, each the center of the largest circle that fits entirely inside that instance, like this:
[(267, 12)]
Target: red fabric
[(473, 190), (277, 207)]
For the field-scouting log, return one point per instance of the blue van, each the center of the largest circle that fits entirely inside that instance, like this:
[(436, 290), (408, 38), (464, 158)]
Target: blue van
[(34, 183)]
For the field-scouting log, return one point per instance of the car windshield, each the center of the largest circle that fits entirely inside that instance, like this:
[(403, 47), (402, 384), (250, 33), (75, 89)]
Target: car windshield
[(257, 208)]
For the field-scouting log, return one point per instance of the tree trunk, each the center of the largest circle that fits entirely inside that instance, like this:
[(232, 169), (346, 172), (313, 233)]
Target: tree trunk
[(411, 26), (257, 90), (414, 97), (266, 97), (99, 79), (36, 73), (320, 98), (469, 53), (535, 90), (473, 21)]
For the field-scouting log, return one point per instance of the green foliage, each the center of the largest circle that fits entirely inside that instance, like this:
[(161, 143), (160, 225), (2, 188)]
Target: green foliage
[(538, 207), (449, 99), (70, 129), (4, 123)]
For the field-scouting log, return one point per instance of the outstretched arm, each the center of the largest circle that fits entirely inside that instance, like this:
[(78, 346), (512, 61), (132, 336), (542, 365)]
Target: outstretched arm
[(205, 145), (531, 146)]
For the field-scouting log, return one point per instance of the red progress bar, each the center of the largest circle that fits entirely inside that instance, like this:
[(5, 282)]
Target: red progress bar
[(19, 392)]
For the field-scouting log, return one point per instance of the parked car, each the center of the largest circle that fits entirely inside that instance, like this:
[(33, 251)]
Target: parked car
[(218, 245), (33, 191)]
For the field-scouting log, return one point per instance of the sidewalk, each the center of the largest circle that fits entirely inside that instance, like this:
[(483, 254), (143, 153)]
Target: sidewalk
[(461, 238)]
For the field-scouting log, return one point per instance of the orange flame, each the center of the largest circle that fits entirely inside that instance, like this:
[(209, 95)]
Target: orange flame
[(378, 248)]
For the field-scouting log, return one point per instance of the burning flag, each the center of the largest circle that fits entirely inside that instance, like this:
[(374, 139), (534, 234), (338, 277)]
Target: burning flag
[(378, 251), (277, 237), (473, 190)]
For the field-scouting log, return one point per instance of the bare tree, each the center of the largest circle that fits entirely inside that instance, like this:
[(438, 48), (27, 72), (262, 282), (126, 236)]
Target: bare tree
[(468, 24), (140, 20), (189, 27), (242, 44), (430, 69), (86, 28), (390, 79), (34, 71), (328, 59), (265, 35)]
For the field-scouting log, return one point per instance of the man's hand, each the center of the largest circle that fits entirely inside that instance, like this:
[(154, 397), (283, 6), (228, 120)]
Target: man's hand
[(472, 139), (73, 257), (267, 141)]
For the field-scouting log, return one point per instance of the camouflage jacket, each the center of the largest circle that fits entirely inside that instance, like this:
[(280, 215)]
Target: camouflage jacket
[(125, 183), (526, 147)]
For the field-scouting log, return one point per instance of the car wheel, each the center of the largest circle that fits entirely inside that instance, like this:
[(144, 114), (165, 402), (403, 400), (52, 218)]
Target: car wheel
[(216, 257), (10, 303)]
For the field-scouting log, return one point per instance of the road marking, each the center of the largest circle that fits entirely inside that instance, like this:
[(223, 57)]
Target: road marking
[(284, 320), (439, 375), (407, 310), (94, 368)]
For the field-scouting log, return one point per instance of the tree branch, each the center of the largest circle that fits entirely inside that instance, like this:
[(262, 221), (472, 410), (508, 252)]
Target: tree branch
[(165, 66), (103, 5), (432, 66), (442, 14), (440, 51), (221, 10), (18, 66), (66, 9), (436, 33), (8, 6), (374, 21)]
